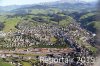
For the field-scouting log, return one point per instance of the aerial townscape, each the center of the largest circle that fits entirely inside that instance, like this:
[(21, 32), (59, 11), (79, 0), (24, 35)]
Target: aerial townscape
[(55, 30)]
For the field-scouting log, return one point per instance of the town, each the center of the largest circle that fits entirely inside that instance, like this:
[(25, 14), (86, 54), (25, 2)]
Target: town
[(55, 33), (48, 40)]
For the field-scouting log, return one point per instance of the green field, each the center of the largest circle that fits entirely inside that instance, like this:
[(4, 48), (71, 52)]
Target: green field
[(97, 24), (10, 24), (5, 64), (2, 63), (26, 64)]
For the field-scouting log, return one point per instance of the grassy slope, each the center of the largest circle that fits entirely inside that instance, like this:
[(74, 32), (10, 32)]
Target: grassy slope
[(97, 25), (10, 24), (2, 63), (2, 18), (67, 21), (44, 11), (26, 64), (5, 64)]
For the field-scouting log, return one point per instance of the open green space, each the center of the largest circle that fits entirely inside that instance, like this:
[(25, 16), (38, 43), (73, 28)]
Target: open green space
[(26, 63), (3, 63)]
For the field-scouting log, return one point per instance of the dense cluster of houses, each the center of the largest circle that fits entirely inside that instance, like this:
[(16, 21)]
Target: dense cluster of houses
[(76, 37), (46, 34)]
